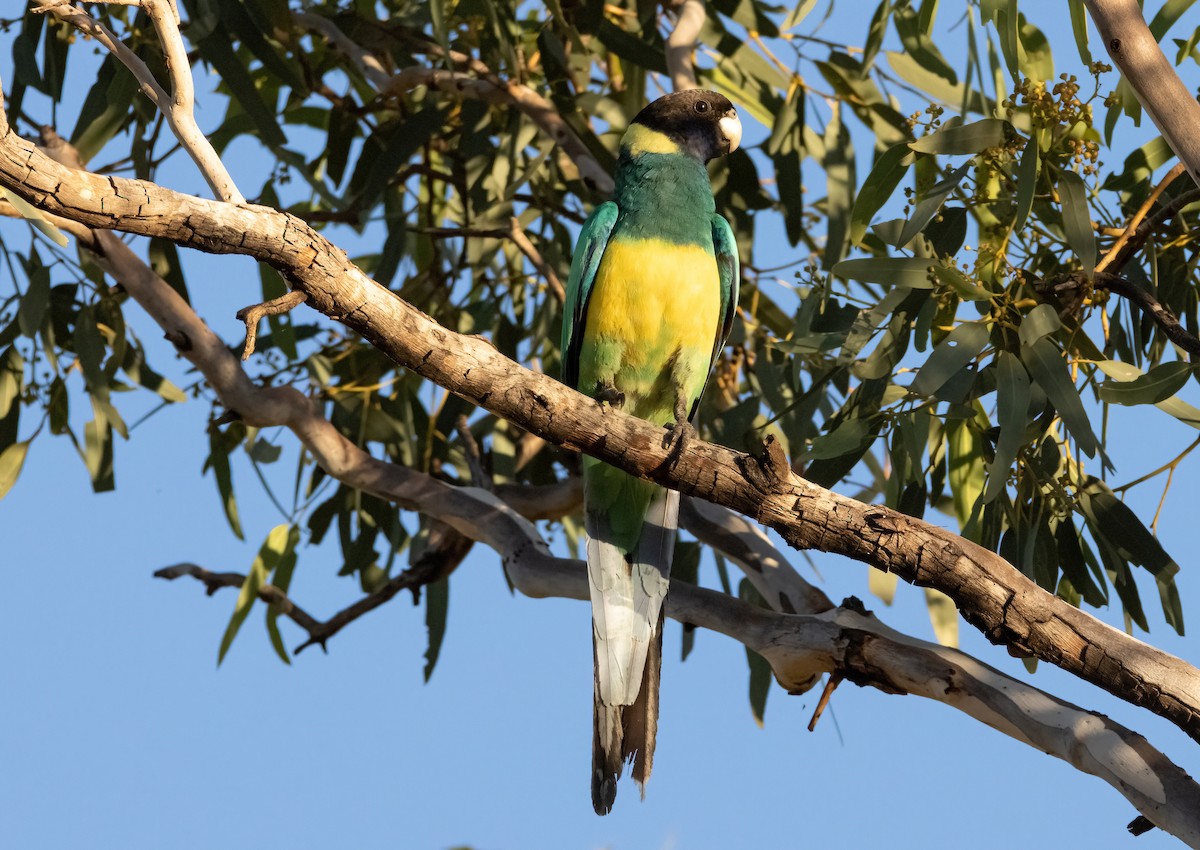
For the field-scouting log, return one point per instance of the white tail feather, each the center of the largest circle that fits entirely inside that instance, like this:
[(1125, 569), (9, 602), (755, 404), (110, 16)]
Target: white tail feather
[(627, 597)]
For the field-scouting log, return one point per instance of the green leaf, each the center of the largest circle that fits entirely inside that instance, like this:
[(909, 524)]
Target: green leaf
[(1166, 17), (839, 183), (905, 272), (269, 556), (882, 585), (965, 453), (1079, 28), (799, 12), (11, 461), (98, 452), (89, 347), (1077, 220), (1036, 61), (12, 380), (1048, 369), (1159, 384), (282, 579), (685, 567), (1178, 408), (1041, 321), (966, 138), (218, 459), (1026, 178), (1074, 567), (1012, 406), (1131, 541), (34, 302), (760, 670), (437, 606), (107, 108), (164, 259), (944, 617), (842, 440), (218, 49), (34, 216), (951, 356), (928, 206)]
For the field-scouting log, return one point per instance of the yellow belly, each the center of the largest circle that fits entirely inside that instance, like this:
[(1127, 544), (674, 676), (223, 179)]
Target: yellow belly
[(653, 316)]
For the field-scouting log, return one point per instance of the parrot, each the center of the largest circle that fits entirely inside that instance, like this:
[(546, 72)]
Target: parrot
[(650, 301)]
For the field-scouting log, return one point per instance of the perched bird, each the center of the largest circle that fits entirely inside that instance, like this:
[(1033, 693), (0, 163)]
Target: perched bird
[(650, 300)]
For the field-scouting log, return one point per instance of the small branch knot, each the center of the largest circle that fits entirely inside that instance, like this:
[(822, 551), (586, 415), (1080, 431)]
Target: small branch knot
[(253, 314), (769, 471)]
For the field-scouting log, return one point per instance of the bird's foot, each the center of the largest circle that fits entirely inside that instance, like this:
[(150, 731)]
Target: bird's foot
[(678, 435), (610, 395)]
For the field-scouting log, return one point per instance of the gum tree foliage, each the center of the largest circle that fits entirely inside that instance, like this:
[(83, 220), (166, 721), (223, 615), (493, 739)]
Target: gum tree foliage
[(930, 316)]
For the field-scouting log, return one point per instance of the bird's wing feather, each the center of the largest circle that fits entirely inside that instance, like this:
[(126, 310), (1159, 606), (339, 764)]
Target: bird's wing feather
[(589, 250), (725, 248)]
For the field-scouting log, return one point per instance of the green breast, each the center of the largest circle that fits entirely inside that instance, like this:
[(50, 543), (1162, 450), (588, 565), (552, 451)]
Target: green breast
[(664, 196)]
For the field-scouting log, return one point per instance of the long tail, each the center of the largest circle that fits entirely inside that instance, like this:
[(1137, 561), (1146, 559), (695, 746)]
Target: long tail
[(628, 591)]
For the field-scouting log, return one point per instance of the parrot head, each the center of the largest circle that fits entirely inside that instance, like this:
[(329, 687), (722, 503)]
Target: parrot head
[(700, 123)]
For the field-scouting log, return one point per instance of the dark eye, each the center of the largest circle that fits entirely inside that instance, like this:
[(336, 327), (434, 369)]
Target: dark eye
[(701, 106)]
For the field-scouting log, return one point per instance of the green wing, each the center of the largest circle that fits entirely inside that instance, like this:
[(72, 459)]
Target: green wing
[(586, 260), (727, 264), (725, 247)]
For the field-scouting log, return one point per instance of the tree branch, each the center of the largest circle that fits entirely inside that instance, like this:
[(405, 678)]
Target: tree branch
[(681, 43), (178, 107), (255, 313), (1148, 304), (838, 642), (1001, 602), (1167, 101)]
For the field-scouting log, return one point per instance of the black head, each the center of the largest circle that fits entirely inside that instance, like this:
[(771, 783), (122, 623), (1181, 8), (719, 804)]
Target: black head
[(702, 123)]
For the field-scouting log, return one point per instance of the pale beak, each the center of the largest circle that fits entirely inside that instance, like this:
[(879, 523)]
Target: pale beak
[(731, 128)]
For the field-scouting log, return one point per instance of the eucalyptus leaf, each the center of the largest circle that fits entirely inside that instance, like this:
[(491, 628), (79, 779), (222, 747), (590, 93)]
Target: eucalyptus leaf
[(966, 138), (1077, 221)]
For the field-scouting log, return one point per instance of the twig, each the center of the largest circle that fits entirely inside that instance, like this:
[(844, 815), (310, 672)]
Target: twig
[(1136, 221), (268, 593), (518, 237), (254, 314), (364, 60), (830, 686), (1143, 232), (534, 256), (479, 476), (445, 552), (1150, 305), (682, 42)]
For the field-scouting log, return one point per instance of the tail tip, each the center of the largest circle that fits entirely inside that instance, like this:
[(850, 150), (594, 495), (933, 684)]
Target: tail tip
[(604, 793)]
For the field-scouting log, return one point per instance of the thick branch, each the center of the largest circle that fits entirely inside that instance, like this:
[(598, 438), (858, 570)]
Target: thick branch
[(681, 43), (1167, 101), (1005, 605)]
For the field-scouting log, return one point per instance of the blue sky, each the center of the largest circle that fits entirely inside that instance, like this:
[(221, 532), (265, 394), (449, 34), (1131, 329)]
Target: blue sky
[(121, 732)]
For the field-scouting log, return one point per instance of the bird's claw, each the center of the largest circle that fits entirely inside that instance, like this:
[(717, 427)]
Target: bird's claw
[(610, 395), (678, 435)]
